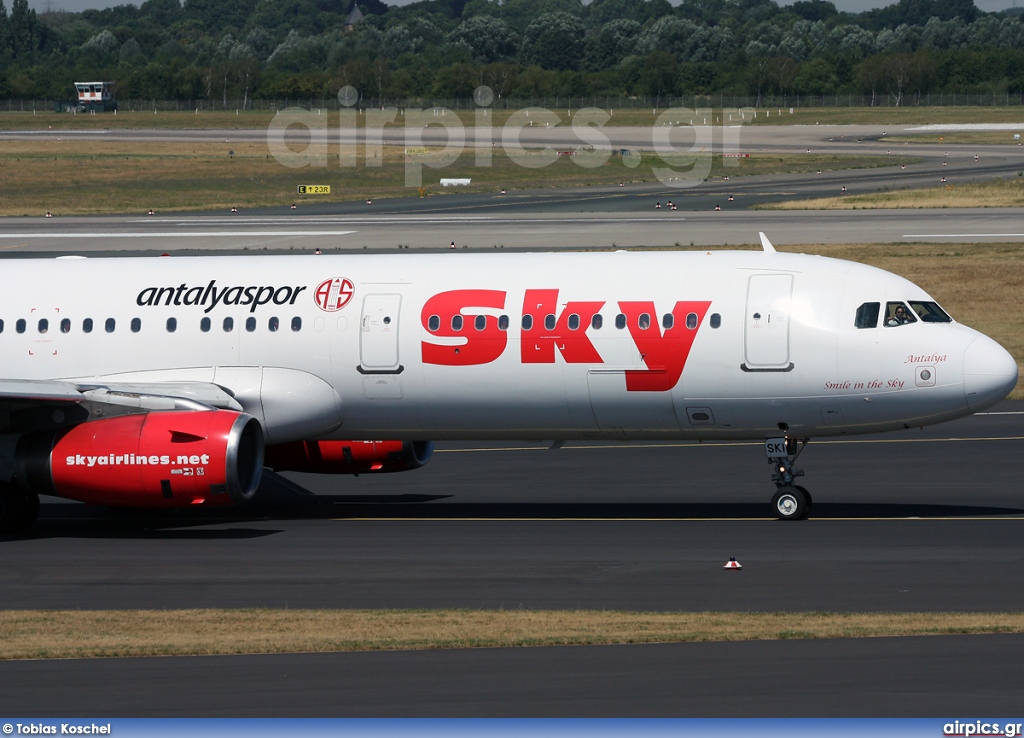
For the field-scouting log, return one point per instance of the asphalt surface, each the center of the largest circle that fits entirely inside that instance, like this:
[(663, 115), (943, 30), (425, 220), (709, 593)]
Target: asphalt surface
[(926, 520), (921, 520), (961, 676), (283, 233)]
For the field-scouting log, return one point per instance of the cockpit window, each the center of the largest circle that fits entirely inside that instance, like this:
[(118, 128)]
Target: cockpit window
[(867, 315), (929, 312), (896, 313)]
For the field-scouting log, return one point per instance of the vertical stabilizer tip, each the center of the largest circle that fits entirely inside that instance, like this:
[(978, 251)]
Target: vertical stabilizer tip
[(766, 244)]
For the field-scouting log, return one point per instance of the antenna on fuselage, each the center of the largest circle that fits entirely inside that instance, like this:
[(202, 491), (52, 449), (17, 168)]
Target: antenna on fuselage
[(766, 244)]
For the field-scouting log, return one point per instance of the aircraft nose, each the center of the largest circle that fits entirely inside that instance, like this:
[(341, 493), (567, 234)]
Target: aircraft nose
[(989, 373)]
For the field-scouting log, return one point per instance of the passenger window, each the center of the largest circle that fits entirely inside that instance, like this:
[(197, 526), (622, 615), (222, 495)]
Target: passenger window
[(691, 321), (503, 323), (229, 325), (20, 325), (620, 321), (644, 322), (668, 320), (273, 324), (549, 322), (250, 324), (527, 322), (44, 325), (204, 325), (87, 325), (574, 322), (433, 323), (1, 326), (456, 322), (296, 324), (136, 325), (480, 322), (172, 325), (110, 325), (930, 312), (867, 315), (65, 325), (716, 320), (896, 313), (596, 322)]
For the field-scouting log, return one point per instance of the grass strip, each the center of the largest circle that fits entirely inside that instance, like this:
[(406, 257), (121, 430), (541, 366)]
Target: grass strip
[(958, 138), (722, 112), (888, 116), (50, 634), (75, 177), (1003, 193)]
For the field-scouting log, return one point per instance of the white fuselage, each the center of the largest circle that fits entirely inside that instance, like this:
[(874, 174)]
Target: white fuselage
[(687, 345)]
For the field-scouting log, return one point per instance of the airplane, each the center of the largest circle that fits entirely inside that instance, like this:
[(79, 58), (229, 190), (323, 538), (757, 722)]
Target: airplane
[(172, 382)]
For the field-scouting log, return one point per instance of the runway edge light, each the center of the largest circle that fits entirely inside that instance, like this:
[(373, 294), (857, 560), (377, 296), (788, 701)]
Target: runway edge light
[(732, 563)]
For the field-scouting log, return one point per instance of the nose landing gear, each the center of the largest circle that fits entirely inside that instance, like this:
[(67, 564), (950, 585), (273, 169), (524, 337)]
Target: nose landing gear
[(790, 501)]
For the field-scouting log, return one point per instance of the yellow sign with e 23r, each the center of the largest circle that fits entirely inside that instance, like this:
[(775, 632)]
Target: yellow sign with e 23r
[(314, 189)]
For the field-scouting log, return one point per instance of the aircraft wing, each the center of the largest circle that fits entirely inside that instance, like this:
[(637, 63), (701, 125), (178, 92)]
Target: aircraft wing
[(145, 396), (40, 390)]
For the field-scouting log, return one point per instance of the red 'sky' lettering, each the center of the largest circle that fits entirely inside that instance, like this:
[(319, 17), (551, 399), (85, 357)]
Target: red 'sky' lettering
[(665, 355), (483, 341), (538, 344)]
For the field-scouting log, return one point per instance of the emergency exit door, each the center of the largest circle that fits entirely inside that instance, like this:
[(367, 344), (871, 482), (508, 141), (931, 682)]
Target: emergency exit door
[(766, 330)]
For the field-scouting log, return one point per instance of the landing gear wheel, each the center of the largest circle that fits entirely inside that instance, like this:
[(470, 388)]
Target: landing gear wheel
[(18, 510), (791, 503), (810, 502)]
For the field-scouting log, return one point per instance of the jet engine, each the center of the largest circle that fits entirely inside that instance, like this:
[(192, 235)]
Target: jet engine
[(154, 460), (349, 457)]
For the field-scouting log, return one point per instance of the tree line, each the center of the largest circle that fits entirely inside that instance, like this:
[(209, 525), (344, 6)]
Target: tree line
[(221, 50)]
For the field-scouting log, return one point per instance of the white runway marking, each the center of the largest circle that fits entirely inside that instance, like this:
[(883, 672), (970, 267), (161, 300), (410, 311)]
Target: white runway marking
[(963, 235), (969, 127), (400, 220), (178, 234)]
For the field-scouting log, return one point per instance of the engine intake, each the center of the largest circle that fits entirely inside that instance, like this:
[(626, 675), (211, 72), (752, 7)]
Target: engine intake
[(159, 459)]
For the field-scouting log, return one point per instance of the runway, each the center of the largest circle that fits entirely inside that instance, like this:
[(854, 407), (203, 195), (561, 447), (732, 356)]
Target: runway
[(908, 521), (190, 235), (922, 520), (964, 676)]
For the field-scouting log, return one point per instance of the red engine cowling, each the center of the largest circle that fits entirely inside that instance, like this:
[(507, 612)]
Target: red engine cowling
[(349, 457), (159, 459)]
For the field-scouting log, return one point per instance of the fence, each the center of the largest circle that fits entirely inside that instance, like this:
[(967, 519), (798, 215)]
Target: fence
[(572, 102)]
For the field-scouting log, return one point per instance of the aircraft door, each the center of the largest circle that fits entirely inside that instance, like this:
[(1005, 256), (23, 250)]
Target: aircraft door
[(766, 327), (378, 335)]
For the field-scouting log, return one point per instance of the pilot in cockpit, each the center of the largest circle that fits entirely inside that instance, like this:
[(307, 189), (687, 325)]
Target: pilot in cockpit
[(899, 316)]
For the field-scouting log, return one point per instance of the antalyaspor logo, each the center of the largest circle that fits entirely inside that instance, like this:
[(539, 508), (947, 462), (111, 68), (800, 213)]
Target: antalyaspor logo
[(330, 295), (333, 294)]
